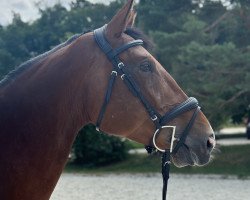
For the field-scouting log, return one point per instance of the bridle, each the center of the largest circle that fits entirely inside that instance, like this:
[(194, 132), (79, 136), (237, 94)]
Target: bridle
[(119, 68)]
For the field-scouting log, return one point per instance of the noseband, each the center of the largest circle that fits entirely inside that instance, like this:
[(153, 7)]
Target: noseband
[(119, 68)]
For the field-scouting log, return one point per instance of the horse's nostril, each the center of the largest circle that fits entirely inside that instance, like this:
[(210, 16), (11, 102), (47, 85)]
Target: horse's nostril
[(210, 143)]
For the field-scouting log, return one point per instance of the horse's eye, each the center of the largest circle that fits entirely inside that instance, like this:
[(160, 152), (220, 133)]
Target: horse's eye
[(146, 67)]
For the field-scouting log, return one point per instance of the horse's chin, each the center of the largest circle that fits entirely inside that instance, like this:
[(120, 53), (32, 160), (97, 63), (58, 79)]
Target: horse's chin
[(182, 161), (186, 157)]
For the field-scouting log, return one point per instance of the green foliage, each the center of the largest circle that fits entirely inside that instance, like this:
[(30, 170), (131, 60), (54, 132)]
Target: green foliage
[(208, 55), (169, 45), (12, 45), (94, 148), (163, 15), (217, 80)]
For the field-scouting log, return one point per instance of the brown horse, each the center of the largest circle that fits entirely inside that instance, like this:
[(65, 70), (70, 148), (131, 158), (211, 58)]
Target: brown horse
[(49, 98)]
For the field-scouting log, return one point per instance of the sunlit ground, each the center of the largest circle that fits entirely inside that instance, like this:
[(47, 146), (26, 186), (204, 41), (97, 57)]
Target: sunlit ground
[(148, 186)]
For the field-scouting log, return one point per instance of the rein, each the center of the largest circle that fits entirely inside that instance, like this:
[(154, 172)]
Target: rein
[(119, 68)]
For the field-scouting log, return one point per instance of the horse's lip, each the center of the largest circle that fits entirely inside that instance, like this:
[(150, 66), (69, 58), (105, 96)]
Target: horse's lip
[(196, 160), (189, 159), (194, 157)]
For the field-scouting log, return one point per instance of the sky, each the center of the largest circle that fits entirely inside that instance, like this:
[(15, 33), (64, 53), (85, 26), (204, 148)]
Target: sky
[(28, 11), (27, 8)]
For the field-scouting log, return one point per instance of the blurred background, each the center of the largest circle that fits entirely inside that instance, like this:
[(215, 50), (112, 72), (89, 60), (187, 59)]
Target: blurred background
[(203, 44)]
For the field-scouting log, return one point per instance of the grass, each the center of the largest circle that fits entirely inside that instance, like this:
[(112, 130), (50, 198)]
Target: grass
[(227, 136), (138, 163), (231, 160)]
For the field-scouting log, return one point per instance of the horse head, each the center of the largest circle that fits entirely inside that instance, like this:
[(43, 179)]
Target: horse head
[(125, 113)]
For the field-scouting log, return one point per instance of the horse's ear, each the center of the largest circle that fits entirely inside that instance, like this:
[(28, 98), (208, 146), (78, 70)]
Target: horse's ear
[(131, 20), (121, 20)]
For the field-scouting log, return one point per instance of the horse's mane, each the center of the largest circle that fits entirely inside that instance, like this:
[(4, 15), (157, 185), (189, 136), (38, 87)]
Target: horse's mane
[(133, 32)]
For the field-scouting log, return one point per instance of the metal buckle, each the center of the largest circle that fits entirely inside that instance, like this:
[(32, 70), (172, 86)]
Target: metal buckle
[(114, 72), (120, 65), (154, 118), (172, 139), (122, 76)]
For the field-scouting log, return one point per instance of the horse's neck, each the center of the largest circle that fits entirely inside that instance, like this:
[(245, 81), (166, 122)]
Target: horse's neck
[(41, 112), (50, 92)]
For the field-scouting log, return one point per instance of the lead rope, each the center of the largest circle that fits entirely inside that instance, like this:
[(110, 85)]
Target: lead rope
[(165, 162)]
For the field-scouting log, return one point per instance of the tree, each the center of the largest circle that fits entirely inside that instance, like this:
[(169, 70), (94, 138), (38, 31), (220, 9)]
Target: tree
[(208, 60), (94, 148), (220, 83), (163, 15), (12, 48)]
